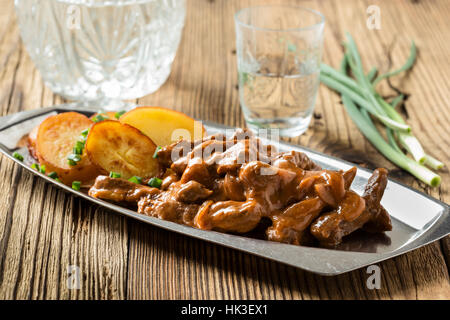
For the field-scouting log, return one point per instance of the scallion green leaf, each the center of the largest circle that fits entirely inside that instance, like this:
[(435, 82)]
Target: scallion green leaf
[(76, 185), (53, 175), (155, 155), (118, 114), (18, 156), (155, 182), (409, 63), (135, 179), (114, 174)]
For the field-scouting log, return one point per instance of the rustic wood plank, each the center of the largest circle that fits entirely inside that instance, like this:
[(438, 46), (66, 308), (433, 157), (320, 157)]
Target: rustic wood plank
[(43, 230), (205, 52)]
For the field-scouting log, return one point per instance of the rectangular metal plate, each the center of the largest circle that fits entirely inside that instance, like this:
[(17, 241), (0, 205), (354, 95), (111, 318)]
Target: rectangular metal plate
[(417, 219)]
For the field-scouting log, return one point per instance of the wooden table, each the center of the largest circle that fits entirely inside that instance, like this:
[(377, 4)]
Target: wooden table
[(44, 230)]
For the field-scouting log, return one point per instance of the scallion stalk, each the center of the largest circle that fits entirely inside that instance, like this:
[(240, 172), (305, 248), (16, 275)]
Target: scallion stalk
[(372, 134), (409, 63), (433, 163)]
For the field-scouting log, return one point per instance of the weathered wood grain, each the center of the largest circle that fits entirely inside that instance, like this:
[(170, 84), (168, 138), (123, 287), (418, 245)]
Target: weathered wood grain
[(43, 230)]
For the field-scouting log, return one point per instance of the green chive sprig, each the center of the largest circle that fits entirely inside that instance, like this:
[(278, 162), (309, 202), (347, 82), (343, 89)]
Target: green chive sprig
[(362, 102), (155, 182), (76, 185), (155, 155), (118, 114), (114, 175), (135, 179), (18, 156)]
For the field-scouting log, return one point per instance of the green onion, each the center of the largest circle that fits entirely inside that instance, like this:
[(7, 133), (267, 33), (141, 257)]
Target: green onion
[(372, 134), (135, 179), (77, 150), (79, 144), (85, 132), (433, 163), (371, 74), (114, 175), (35, 166), (397, 100), (118, 114), (155, 155), (53, 175), (76, 185), (408, 141), (336, 85), (74, 157), (155, 182), (409, 63), (42, 168), (100, 117), (18, 156), (391, 139), (57, 180), (360, 98)]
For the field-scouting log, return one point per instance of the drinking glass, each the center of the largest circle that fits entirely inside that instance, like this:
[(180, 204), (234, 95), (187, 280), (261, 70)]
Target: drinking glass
[(279, 50), (101, 52)]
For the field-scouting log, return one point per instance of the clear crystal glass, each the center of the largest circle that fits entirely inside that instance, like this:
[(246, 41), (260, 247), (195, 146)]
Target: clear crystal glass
[(102, 52), (279, 50)]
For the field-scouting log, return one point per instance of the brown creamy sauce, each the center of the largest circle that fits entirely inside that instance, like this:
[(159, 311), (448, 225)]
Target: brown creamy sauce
[(230, 185)]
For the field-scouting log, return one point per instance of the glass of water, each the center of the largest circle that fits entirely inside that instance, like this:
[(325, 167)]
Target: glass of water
[(279, 50), (101, 52)]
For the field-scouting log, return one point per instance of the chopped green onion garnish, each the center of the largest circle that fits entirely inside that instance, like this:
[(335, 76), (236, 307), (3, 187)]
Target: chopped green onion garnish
[(80, 144), (77, 150), (42, 169), (53, 175), (76, 185), (118, 114), (71, 162), (114, 175), (155, 155), (135, 179), (18, 156), (155, 182), (74, 157), (85, 132), (100, 117), (35, 166), (57, 180)]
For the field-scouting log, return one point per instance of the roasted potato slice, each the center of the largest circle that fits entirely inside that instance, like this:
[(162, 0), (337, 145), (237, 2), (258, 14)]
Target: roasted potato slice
[(56, 137), (32, 142), (164, 126), (118, 147)]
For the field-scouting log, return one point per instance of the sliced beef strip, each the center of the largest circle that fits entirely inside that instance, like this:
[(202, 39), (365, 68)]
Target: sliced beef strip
[(120, 190), (232, 185), (331, 227), (291, 224)]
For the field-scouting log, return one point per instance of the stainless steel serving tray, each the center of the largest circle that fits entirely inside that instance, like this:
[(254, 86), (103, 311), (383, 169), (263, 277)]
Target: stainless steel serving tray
[(417, 218)]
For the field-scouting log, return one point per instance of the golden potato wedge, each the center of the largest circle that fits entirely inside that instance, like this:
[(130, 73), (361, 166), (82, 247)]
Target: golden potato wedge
[(164, 126), (56, 137), (118, 147)]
